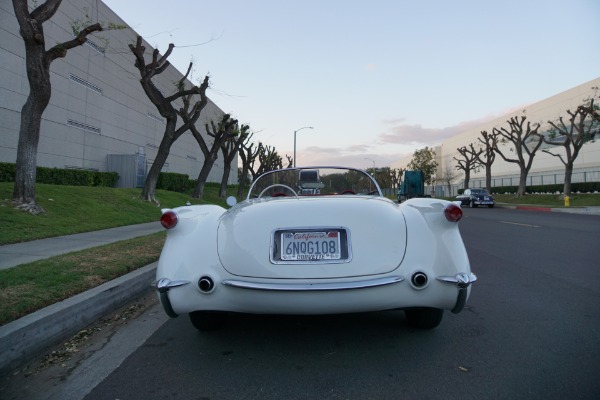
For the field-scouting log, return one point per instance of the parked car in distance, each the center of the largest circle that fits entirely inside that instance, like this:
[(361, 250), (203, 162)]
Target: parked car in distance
[(476, 197), (288, 249)]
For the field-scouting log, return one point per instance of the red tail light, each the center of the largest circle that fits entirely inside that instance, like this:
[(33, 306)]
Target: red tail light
[(168, 219), (453, 213)]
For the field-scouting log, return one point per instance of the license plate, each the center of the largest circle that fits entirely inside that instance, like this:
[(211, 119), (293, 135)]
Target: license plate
[(310, 246)]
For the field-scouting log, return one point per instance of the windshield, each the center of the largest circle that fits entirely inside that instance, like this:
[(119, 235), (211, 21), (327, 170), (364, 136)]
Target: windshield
[(479, 191), (314, 181)]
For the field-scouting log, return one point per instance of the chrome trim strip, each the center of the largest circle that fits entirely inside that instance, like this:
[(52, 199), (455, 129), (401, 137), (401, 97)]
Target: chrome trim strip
[(163, 285), (311, 287), (461, 280)]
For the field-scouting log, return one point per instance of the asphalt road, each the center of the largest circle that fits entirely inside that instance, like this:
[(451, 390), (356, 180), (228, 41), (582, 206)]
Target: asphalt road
[(531, 330)]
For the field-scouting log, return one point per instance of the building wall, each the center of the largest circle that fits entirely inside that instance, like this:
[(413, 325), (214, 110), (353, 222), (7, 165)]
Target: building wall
[(97, 106), (588, 161)]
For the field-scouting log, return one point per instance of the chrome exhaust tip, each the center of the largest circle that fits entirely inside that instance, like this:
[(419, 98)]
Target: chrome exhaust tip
[(419, 280), (206, 284)]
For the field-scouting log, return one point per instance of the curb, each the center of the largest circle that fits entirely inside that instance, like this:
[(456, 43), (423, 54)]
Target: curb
[(587, 210), (29, 336), (534, 208)]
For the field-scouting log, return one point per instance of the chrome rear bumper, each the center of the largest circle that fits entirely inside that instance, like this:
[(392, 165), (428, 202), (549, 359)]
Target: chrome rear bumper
[(309, 287), (462, 281)]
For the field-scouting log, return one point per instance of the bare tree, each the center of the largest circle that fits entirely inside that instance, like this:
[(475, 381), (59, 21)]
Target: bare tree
[(37, 64), (469, 161), (580, 128), (229, 149), (268, 160), (525, 143), (396, 176), (166, 108), (386, 177), (448, 176), (220, 133), (248, 154), (490, 142), (290, 161)]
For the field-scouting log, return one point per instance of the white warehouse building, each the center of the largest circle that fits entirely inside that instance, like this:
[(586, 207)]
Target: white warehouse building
[(98, 109), (546, 169)]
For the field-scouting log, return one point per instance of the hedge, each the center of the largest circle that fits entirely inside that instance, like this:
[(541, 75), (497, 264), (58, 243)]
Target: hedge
[(582, 187), (181, 182), (77, 177), (175, 182), (58, 176)]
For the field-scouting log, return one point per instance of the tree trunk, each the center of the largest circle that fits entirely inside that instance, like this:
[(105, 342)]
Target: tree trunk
[(242, 182), (568, 174), (149, 191), (203, 176), (40, 89), (224, 179), (467, 178), (522, 183), (488, 178)]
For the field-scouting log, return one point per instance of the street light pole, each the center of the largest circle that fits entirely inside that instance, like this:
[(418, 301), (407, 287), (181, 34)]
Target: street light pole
[(298, 130)]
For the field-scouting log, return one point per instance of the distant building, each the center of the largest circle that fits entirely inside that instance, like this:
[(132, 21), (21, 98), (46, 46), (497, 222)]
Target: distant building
[(546, 169), (98, 109)]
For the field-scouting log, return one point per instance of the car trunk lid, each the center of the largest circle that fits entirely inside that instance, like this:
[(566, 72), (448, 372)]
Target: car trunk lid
[(372, 234)]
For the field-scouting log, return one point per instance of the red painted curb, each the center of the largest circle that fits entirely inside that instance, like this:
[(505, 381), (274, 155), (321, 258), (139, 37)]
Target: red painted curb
[(534, 208)]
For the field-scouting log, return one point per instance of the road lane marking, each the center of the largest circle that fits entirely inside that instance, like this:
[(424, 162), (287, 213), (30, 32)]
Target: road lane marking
[(516, 223)]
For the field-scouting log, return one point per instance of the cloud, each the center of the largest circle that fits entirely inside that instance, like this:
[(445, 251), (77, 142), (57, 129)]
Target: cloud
[(356, 148), (399, 132), (371, 67), (337, 157), (353, 160), (416, 134)]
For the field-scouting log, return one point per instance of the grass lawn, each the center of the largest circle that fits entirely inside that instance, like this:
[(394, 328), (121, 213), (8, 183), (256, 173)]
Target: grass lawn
[(30, 287), (74, 209)]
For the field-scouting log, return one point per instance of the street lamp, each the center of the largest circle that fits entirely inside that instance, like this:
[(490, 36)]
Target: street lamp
[(298, 130)]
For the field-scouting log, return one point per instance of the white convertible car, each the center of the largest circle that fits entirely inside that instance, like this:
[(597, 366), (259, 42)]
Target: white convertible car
[(318, 240)]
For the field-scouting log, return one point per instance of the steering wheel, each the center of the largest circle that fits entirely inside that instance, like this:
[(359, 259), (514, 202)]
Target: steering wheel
[(277, 194)]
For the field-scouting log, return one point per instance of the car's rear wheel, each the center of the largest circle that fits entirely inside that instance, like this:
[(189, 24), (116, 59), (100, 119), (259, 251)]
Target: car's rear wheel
[(208, 320), (472, 204), (424, 318)]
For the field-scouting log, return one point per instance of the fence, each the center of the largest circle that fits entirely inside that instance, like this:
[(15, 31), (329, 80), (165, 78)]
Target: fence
[(547, 178)]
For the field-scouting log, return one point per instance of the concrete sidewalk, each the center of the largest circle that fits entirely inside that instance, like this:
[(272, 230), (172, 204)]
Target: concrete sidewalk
[(27, 337), (12, 255)]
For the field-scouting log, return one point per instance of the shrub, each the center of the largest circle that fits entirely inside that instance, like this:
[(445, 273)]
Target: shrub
[(174, 182), (58, 176)]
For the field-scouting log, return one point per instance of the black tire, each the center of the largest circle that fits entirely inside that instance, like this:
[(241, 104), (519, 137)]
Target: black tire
[(424, 318), (490, 206), (472, 204), (208, 320)]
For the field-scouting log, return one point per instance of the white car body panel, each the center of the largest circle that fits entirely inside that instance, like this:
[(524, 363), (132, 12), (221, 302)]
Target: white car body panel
[(389, 244)]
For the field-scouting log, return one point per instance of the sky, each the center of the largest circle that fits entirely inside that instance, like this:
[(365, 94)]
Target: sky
[(375, 79)]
